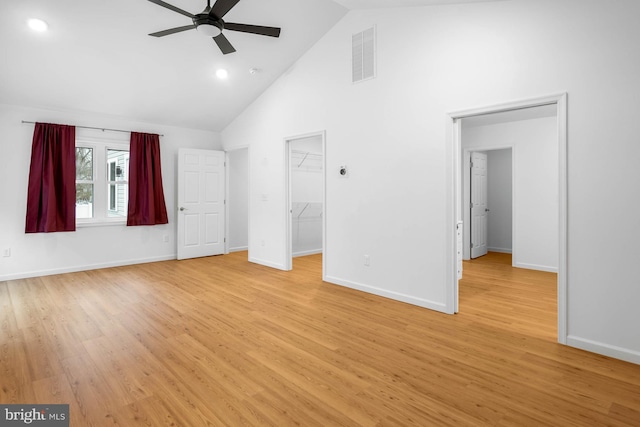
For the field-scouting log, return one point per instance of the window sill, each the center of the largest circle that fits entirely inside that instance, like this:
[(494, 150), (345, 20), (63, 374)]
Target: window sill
[(101, 223)]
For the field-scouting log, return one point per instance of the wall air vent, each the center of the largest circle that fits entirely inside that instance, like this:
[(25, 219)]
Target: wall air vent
[(363, 49)]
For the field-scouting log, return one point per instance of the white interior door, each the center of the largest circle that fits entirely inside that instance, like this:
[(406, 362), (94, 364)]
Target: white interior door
[(201, 203), (479, 207)]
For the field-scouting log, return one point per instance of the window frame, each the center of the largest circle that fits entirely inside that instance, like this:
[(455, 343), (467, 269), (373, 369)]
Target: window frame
[(87, 181), (101, 182)]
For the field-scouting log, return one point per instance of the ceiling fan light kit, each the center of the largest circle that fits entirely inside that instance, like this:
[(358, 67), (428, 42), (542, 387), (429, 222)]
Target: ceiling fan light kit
[(210, 23), (209, 30)]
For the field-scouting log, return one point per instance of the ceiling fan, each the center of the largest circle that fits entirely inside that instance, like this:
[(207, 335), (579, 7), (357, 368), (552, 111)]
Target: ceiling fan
[(210, 23)]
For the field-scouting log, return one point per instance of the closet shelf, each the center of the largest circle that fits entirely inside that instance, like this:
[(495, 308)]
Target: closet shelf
[(309, 160), (306, 210)]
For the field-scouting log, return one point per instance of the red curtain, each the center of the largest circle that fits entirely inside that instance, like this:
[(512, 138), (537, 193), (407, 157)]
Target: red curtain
[(146, 196), (51, 198)]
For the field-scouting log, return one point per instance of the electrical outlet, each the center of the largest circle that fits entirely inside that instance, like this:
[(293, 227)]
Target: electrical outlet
[(165, 238), (367, 260), (261, 242), (6, 253)]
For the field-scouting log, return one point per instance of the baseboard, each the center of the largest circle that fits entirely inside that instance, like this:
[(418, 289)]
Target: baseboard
[(536, 267), (500, 250), (309, 252), (239, 249), (432, 305), (267, 263), (604, 349), (88, 267)]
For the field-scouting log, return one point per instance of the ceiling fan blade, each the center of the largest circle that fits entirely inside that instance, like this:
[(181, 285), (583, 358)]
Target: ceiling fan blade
[(172, 31), (221, 7), (224, 44), (171, 7), (253, 29)]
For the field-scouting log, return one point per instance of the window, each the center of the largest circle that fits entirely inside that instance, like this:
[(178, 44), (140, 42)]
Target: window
[(102, 192)]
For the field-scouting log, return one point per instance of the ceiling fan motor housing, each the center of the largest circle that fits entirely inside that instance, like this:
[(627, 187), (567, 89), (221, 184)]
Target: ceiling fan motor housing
[(207, 20)]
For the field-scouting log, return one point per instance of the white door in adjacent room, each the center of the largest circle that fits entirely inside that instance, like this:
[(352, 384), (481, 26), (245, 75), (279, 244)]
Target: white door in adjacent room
[(479, 207), (201, 203)]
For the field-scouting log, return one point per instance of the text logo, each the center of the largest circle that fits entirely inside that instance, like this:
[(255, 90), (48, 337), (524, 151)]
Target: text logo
[(34, 415)]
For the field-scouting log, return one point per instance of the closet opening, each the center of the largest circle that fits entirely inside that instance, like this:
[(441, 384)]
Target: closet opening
[(305, 170)]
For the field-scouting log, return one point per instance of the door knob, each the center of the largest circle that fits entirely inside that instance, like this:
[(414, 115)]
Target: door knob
[(182, 209), (486, 210)]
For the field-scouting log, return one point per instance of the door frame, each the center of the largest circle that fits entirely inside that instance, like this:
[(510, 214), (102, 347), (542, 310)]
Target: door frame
[(454, 195), (288, 256), (227, 175)]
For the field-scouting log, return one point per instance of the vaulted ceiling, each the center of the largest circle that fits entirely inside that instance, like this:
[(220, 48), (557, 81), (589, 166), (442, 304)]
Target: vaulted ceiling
[(97, 56), (374, 4)]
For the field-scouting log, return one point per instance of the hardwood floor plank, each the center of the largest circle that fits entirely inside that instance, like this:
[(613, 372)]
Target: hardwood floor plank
[(623, 414), (14, 373), (287, 403), (124, 374), (41, 363), (204, 392), (56, 390), (175, 394), (153, 412), (26, 301), (233, 370), (318, 378)]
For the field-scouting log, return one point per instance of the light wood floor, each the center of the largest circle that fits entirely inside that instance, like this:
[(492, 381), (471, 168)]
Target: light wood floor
[(219, 341)]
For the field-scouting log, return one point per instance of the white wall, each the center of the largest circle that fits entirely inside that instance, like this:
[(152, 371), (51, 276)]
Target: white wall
[(306, 195), (499, 183), (535, 203), (391, 132), (87, 247), (238, 199)]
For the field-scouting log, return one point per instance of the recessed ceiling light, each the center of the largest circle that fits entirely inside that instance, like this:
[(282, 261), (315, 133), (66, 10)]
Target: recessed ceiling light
[(37, 25), (222, 73)]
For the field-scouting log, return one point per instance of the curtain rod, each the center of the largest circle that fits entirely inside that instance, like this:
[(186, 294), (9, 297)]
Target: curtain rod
[(90, 127)]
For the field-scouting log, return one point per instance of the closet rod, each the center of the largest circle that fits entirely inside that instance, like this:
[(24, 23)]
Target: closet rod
[(90, 127), (303, 159), (309, 153)]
